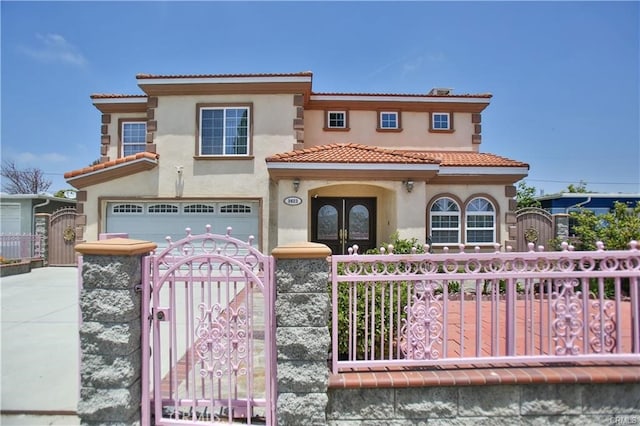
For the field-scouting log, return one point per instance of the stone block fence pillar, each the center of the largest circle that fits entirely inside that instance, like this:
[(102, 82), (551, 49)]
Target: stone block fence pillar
[(110, 345), (302, 334)]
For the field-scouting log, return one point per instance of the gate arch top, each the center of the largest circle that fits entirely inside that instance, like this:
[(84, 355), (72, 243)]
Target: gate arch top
[(211, 244), (534, 210)]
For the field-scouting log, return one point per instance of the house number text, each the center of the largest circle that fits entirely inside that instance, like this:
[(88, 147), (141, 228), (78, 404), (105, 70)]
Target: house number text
[(293, 201)]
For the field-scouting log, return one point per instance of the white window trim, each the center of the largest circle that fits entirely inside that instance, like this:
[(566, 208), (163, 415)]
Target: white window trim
[(140, 206), (224, 145), (458, 229), (176, 208), (433, 120), (124, 143), (491, 213), (344, 119), (395, 113)]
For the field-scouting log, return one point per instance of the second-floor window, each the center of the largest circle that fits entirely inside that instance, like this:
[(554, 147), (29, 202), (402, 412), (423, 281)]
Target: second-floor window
[(389, 120), (440, 121), (224, 131), (336, 119), (134, 137)]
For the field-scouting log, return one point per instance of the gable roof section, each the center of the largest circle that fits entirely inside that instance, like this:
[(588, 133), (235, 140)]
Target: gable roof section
[(356, 161), (113, 169), (349, 153)]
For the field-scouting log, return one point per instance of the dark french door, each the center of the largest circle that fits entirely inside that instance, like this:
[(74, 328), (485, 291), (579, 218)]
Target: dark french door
[(342, 222)]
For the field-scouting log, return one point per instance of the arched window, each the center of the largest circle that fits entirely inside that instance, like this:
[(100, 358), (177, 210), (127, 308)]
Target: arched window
[(481, 222), (445, 222)]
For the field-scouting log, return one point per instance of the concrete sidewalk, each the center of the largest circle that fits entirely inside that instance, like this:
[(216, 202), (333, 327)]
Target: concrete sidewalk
[(40, 349)]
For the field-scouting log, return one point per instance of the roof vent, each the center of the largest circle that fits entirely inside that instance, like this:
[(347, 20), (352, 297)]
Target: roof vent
[(440, 91)]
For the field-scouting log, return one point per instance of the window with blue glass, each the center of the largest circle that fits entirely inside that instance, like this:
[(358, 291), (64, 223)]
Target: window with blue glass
[(389, 120), (134, 137), (440, 121), (224, 131)]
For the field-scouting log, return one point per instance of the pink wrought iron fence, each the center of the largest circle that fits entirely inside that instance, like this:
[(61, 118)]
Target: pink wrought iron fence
[(16, 246), (485, 308)]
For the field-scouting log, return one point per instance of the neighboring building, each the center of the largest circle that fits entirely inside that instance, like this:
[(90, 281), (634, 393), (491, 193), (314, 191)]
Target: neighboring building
[(599, 203), (266, 155), (18, 211), (50, 218)]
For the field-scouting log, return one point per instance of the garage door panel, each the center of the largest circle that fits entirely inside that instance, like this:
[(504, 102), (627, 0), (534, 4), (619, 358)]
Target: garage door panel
[(154, 221)]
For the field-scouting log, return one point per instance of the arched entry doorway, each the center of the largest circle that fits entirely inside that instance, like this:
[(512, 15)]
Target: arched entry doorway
[(341, 222)]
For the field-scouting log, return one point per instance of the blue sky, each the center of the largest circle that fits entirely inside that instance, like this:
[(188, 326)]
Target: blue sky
[(564, 75)]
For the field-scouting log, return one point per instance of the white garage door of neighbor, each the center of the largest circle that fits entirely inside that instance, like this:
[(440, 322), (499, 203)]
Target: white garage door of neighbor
[(154, 221), (10, 219)]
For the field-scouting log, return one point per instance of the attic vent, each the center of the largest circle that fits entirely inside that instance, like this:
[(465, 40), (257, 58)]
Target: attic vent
[(440, 91)]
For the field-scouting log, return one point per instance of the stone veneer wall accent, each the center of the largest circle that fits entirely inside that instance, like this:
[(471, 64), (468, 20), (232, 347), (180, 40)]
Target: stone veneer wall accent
[(575, 404), (110, 332), (42, 228), (81, 217), (302, 334), (476, 137), (152, 124), (298, 122), (510, 219), (105, 138)]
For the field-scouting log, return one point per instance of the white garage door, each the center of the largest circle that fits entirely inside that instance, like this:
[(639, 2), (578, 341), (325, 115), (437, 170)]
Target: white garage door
[(154, 221)]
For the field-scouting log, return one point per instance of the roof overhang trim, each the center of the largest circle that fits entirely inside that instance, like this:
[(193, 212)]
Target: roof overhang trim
[(137, 100), (351, 166), (480, 171), (383, 98), (113, 172), (225, 80)]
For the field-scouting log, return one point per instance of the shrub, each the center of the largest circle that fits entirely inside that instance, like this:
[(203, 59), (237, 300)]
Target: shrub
[(378, 299)]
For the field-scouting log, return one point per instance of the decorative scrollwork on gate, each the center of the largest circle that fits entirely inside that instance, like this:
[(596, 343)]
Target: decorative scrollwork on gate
[(567, 325), (603, 327), (422, 330), (222, 343), (69, 235), (531, 235)]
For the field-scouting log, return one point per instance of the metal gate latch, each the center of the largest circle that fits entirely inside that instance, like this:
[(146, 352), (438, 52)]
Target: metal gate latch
[(162, 314)]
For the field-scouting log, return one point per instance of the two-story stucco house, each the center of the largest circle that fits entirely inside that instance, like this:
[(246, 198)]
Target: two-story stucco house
[(266, 155)]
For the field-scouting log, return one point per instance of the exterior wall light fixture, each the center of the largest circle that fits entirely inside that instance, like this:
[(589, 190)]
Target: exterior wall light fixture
[(409, 185), (296, 184)]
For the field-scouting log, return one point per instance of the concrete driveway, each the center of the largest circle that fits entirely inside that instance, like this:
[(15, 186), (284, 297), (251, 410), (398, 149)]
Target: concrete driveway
[(40, 351)]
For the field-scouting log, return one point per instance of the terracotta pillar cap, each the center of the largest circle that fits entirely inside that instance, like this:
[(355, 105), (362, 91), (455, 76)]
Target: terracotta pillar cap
[(116, 247)]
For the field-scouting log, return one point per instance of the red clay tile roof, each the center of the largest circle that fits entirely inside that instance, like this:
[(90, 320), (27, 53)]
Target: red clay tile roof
[(469, 159), (349, 153), (409, 95), (112, 163), (297, 74), (114, 96), (357, 153)]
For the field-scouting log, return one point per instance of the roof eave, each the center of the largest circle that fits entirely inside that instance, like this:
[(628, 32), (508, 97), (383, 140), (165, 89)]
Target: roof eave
[(352, 171), (120, 105), (113, 172)]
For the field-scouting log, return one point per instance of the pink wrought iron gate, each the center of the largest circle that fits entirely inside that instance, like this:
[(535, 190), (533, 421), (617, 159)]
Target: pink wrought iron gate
[(209, 303)]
